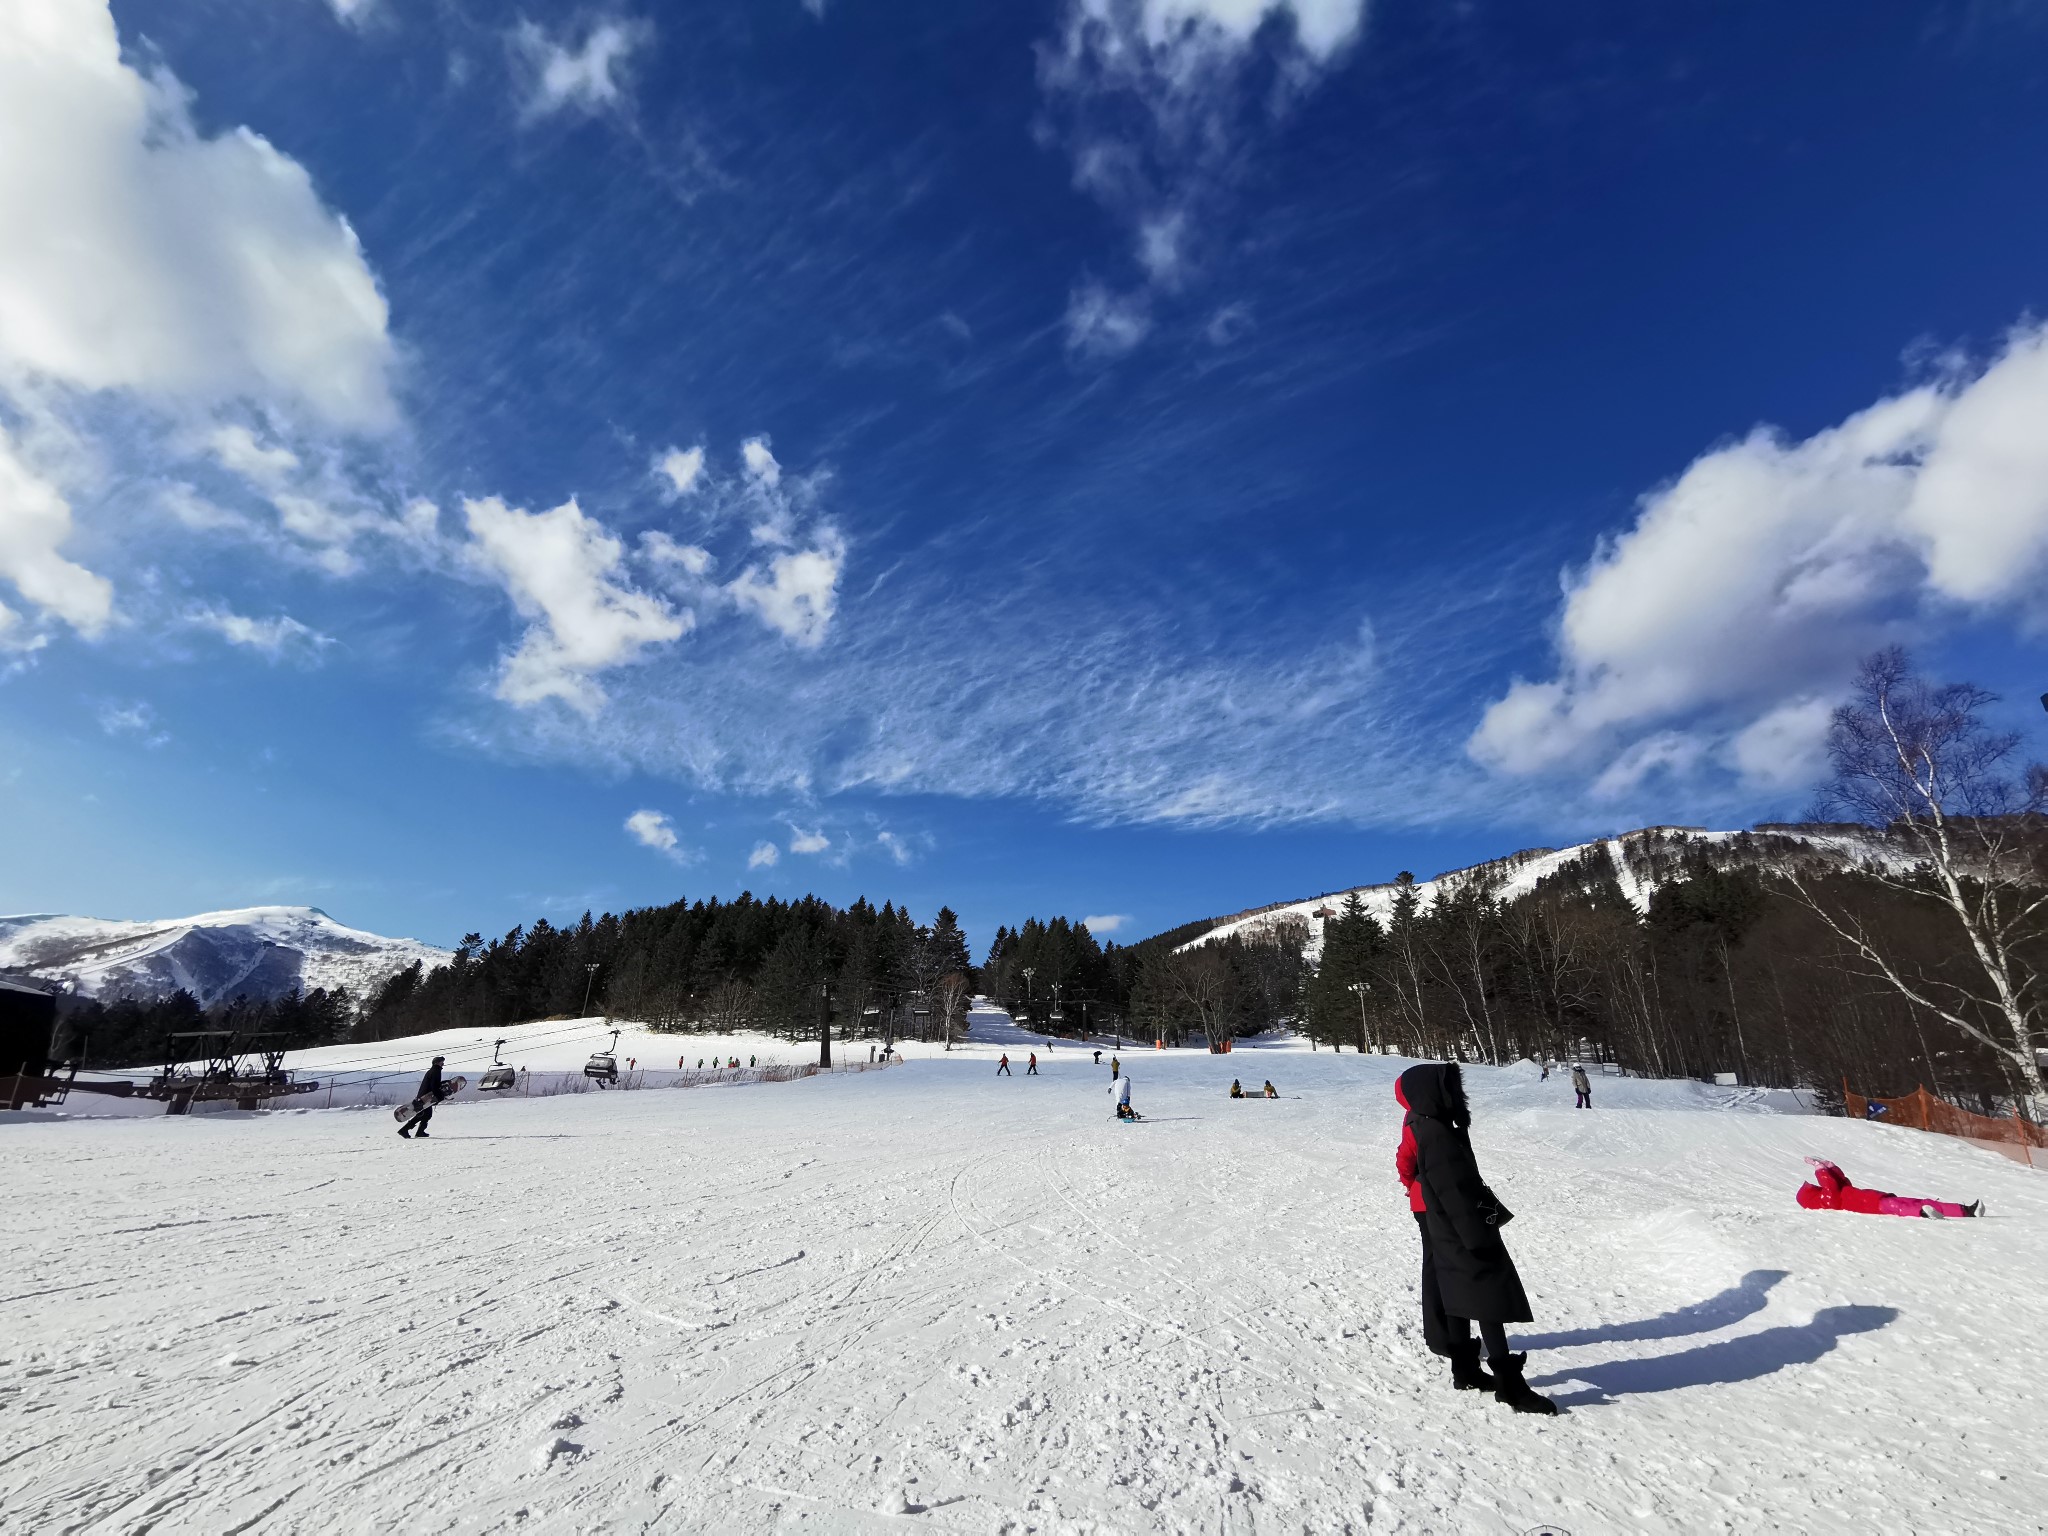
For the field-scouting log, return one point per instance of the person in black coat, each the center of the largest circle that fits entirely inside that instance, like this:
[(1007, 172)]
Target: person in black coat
[(428, 1096), (1461, 1237)]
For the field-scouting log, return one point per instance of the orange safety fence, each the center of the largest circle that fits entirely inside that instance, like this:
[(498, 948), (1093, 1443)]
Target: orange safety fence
[(2017, 1138)]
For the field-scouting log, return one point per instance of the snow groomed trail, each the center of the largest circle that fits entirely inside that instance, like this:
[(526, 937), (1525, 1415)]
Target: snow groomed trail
[(935, 1298)]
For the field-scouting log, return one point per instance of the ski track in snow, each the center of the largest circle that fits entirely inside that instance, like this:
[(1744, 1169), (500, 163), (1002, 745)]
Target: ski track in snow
[(934, 1298)]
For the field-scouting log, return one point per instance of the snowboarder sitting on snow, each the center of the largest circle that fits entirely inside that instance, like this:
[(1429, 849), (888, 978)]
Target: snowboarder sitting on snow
[(1271, 1091), (1003, 1066), (1832, 1191), (1235, 1091), (1121, 1088), (1467, 1275), (428, 1096)]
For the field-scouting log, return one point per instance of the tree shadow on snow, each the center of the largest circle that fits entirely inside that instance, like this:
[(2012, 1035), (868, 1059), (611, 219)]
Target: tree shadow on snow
[(1744, 1359), (1750, 1294)]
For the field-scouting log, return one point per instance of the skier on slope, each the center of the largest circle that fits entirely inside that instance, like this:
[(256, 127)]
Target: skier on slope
[(1583, 1087), (1467, 1273), (1120, 1089), (428, 1096), (1832, 1191), (1032, 1069), (1003, 1066)]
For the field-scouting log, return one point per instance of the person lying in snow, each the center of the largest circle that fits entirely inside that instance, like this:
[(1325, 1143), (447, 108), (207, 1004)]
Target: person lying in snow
[(1467, 1275), (1832, 1191)]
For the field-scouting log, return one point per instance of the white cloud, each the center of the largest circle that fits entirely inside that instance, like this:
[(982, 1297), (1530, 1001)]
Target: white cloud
[(1785, 748), (801, 841), (800, 592), (761, 464), (562, 571), (653, 829), (35, 522), (352, 12), (273, 637), (136, 719), (764, 856), (1152, 97), (665, 553), (589, 78), (1747, 587), (681, 467), (265, 464), (1102, 324), (894, 846), (143, 255), (1110, 922)]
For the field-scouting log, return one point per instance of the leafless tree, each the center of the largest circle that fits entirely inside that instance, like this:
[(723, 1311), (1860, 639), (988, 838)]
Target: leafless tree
[(1916, 761)]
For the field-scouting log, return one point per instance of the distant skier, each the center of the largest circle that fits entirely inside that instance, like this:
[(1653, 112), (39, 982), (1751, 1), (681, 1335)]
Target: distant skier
[(428, 1096), (1098, 1058), (1003, 1066), (1031, 1069), (1467, 1275), (1546, 1071), (1271, 1091), (1236, 1091), (1121, 1089), (1116, 1067), (1832, 1191), (1583, 1087)]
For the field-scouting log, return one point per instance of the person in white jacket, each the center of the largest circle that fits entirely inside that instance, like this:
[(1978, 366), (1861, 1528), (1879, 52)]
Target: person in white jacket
[(1121, 1089)]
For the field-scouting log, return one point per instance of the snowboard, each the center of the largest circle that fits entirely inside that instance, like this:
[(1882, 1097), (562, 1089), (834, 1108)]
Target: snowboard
[(449, 1087)]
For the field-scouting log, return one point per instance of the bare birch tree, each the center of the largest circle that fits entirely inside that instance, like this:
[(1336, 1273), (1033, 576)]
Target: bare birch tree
[(1915, 761)]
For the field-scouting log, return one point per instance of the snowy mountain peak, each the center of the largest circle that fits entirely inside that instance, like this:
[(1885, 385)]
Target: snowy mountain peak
[(258, 951)]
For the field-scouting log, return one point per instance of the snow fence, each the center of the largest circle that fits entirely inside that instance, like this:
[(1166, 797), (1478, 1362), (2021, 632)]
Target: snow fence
[(2017, 1138)]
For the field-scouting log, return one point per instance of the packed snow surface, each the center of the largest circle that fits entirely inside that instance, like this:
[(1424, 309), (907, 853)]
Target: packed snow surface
[(932, 1297), (261, 951)]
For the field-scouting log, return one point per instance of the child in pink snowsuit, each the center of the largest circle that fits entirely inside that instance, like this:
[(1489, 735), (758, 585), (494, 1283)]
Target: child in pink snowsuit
[(1832, 1191)]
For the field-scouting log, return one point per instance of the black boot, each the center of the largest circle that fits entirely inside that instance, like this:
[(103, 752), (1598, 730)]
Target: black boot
[(1466, 1374), (405, 1133), (1512, 1388)]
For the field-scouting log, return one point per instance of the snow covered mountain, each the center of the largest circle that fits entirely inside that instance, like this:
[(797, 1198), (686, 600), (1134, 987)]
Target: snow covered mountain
[(259, 951), (1641, 861)]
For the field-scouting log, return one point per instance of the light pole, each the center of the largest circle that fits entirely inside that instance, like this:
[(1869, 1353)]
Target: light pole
[(1058, 1015), (589, 977), (1029, 1007), (1359, 988), (825, 1022)]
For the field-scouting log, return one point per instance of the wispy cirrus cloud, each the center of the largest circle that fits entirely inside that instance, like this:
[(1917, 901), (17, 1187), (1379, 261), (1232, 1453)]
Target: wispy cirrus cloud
[(558, 73), (1157, 103)]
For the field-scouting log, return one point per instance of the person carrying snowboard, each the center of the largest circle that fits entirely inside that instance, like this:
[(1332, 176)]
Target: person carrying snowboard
[(428, 1096), (1121, 1089), (1583, 1087), (1466, 1269), (1832, 1191), (1003, 1066), (1031, 1069)]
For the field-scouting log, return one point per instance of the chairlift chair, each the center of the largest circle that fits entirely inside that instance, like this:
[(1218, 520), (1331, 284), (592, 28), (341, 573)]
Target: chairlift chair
[(603, 1068), (497, 1075)]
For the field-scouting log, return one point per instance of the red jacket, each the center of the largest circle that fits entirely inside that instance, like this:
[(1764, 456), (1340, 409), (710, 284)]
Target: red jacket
[(1832, 1191), (1404, 1158)]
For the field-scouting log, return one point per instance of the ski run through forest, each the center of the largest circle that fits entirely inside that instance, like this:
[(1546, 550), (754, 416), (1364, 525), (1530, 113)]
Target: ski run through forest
[(935, 1298)]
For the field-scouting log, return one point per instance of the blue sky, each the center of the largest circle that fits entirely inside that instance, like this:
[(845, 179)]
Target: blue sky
[(462, 462)]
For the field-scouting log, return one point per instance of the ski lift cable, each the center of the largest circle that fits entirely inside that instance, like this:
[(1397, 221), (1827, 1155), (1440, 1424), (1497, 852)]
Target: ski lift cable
[(459, 1055)]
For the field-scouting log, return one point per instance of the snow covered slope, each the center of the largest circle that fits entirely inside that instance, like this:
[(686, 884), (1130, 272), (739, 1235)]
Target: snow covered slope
[(936, 1299), (1517, 874), (260, 951)]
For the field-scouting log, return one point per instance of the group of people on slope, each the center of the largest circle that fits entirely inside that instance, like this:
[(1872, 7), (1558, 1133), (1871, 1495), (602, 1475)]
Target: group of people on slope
[(1269, 1092), (1003, 1066), (1582, 1085)]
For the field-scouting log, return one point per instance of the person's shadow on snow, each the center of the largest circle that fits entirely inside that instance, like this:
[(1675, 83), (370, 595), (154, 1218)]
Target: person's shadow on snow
[(1743, 1359), (1749, 1295)]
